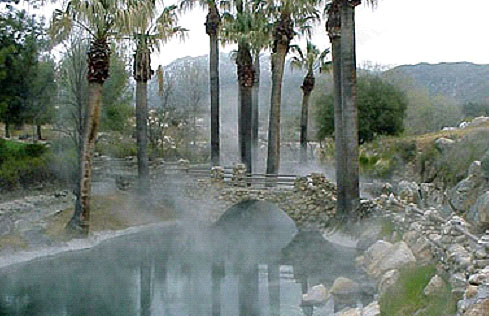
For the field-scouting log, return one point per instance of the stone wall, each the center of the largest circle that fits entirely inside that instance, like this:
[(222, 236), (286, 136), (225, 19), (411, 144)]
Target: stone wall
[(447, 241)]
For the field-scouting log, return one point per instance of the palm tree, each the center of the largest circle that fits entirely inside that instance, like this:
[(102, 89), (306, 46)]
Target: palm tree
[(238, 29), (341, 29), (102, 20), (149, 33), (311, 61), (212, 26), (259, 40), (287, 17)]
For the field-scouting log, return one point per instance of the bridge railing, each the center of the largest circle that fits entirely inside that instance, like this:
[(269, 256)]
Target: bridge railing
[(237, 175)]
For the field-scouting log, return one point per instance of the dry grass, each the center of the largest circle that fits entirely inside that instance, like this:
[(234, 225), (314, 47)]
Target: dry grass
[(110, 213), (14, 242)]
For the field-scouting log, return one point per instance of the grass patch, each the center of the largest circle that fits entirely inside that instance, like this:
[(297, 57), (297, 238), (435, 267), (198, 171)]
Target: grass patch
[(14, 242), (407, 296), (109, 213), (387, 230)]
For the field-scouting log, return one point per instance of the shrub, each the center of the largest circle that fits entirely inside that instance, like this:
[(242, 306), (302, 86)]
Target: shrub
[(407, 296), (23, 165), (381, 108)]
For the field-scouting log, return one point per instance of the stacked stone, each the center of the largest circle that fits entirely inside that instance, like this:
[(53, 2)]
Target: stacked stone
[(300, 184), (239, 175), (217, 175)]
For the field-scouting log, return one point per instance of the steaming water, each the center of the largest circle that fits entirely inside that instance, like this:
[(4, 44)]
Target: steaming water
[(177, 271)]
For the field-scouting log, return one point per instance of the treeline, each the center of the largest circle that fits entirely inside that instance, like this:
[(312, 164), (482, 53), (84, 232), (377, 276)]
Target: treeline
[(27, 72)]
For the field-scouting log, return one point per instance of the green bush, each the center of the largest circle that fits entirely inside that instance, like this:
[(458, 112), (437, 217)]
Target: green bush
[(407, 297), (35, 150), (451, 166), (23, 165), (381, 108)]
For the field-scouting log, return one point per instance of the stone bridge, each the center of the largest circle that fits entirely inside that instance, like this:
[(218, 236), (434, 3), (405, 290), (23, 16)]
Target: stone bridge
[(309, 200)]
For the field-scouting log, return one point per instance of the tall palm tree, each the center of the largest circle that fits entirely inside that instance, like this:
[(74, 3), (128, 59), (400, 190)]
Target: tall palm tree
[(310, 61), (149, 33), (212, 26), (260, 40), (239, 24), (102, 20), (287, 16), (341, 29)]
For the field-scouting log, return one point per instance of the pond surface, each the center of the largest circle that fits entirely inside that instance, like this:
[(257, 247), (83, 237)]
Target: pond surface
[(182, 270)]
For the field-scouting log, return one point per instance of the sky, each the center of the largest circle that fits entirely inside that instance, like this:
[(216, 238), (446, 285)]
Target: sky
[(395, 32)]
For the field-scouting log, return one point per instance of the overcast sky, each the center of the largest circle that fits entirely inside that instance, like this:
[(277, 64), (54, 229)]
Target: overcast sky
[(396, 32)]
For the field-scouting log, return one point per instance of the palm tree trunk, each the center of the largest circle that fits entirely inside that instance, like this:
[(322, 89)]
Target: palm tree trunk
[(246, 132), (304, 120), (39, 132), (215, 117), (212, 27), (7, 129), (255, 115), (142, 73), (142, 136), (283, 34), (81, 218), (98, 72), (246, 78), (278, 65), (334, 31), (350, 113)]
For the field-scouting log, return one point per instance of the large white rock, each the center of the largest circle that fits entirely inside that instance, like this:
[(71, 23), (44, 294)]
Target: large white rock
[(388, 279), (316, 295), (435, 286), (398, 256), (384, 256), (373, 309), (376, 252), (350, 312), (442, 144), (345, 286)]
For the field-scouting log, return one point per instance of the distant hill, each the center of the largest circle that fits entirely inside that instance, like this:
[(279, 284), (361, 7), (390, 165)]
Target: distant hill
[(463, 81)]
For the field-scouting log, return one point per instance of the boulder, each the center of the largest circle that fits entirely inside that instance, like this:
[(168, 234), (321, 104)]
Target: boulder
[(475, 168), (350, 312), (443, 144), (480, 278), (383, 256), (372, 309), (388, 279), (316, 295), (479, 212), (459, 257), (465, 193), (345, 286), (479, 121), (435, 286), (376, 252), (398, 256), (479, 309)]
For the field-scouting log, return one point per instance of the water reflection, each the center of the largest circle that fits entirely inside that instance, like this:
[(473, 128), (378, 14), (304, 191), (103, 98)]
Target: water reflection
[(174, 272)]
